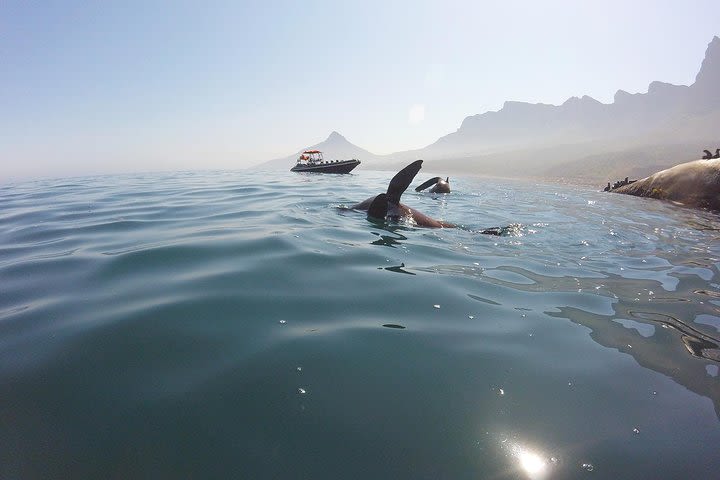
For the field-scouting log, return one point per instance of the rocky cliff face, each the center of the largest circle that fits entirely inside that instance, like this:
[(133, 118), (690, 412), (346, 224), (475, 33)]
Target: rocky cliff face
[(709, 74), (706, 89)]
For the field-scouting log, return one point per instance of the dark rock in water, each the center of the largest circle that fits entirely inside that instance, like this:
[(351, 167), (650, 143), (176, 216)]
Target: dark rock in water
[(693, 184)]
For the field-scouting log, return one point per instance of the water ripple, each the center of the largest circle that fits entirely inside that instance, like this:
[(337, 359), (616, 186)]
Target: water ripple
[(156, 323)]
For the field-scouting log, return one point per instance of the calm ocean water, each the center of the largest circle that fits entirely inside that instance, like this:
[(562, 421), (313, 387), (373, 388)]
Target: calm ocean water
[(242, 325)]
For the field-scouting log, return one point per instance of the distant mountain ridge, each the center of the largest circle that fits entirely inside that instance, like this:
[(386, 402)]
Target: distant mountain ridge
[(582, 138)]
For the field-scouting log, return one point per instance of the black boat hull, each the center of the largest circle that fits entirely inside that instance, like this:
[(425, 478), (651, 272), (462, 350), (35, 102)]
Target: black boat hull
[(341, 166)]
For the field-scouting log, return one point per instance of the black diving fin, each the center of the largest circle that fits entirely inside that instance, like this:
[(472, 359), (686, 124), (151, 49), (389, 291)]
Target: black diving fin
[(425, 185), (401, 181)]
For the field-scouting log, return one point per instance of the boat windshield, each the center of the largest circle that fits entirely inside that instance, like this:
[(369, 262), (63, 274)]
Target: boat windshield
[(310, 156)]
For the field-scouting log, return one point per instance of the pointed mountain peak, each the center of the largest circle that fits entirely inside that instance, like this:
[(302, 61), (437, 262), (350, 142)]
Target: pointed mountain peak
[(709, 73), (337, 146), (335, 136)]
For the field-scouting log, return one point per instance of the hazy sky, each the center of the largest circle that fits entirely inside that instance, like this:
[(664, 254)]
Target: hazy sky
[(91, 87)]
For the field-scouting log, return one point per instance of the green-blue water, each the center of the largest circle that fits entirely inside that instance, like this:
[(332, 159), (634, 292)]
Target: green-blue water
[(231, 325)]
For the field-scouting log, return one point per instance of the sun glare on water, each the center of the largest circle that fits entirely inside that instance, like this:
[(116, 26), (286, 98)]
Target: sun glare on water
[(532, 464)]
